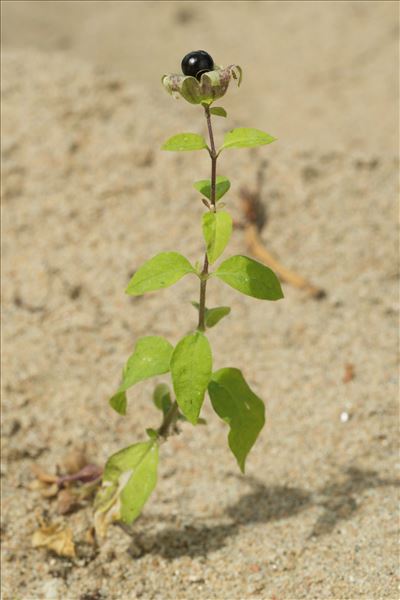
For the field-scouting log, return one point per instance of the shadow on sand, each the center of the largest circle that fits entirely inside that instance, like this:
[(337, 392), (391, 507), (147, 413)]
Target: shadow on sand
[(339, 500)]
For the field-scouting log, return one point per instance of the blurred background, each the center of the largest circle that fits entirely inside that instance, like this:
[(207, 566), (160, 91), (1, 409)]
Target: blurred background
[(88, 196), (322, 73)]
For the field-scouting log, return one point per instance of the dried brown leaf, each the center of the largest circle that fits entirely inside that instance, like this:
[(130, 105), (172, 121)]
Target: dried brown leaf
[(66, 502), (55, 537), (42, 475)]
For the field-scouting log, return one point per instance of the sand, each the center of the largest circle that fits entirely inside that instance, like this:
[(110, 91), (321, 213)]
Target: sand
[(88, 196)]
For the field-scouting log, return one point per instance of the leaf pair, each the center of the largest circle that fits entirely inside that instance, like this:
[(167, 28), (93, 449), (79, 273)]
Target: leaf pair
[(191, 370), (240, 272), (241, 137), (190, 364)]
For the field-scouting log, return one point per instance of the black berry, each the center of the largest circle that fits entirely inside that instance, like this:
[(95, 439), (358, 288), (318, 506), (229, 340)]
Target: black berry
[(196, 63)]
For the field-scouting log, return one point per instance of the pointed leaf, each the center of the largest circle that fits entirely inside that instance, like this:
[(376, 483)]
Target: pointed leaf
[(119, 403), (204, 187), (214, 315), (55, 537), (246, 137), (152, 433), (218, 111), (129, 477), (151, 356), (185, 142), (161, 271), (250, 277), (237, 405), (217, 230), (191, 365)]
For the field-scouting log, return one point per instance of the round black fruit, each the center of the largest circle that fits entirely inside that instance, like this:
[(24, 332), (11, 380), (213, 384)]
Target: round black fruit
[(196, 63)]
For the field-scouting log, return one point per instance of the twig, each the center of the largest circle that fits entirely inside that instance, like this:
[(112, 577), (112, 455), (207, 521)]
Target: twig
[(253, 215)]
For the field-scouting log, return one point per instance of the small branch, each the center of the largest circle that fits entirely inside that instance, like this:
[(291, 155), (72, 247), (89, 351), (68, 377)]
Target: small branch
[(259, 251), (254, 221)]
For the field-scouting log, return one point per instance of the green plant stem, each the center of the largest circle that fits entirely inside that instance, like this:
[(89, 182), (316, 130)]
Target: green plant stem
[(204, 273), (202, 302), (170, 417), (213, 155), (168, 420)]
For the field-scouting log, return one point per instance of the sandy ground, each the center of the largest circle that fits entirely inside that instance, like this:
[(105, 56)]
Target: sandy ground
[(88, 196)]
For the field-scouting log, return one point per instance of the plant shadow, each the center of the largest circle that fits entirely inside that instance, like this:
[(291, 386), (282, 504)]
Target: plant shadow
[(339, 500)]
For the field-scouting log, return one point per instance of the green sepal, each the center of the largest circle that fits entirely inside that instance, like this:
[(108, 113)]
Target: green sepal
[(218, 111)]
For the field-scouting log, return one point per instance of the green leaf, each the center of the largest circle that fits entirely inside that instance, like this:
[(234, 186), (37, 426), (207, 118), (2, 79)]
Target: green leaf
[(217, 230), (152, 433), (213, 315), (219, 111), (129, 477), (151, 356), (119, 403), (185, 142), (191, 365), (246, 137), (250, 277), (162, 397), (161, 271), (204, 187), (240, 408)]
